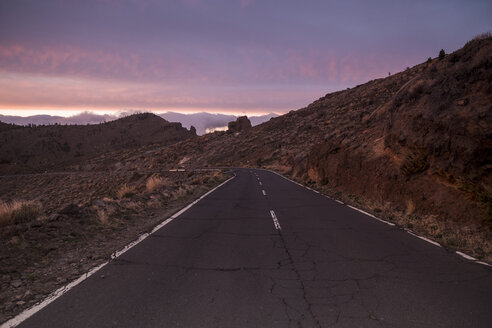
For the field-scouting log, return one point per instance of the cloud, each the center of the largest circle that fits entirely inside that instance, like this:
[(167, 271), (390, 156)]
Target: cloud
[(75, 61), (39, 91), (246, 65)]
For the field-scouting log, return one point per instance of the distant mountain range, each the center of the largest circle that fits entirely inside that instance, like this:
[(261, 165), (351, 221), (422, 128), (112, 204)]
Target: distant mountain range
[(203, 122)]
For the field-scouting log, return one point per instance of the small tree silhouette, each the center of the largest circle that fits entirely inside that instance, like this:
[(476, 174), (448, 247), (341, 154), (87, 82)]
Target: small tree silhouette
[(441, 54)]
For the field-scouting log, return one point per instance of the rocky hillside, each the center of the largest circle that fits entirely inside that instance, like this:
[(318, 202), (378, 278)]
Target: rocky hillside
[(415, 147), (35, 148)]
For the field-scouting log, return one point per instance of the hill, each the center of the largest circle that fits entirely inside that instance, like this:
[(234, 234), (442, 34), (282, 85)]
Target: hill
[(35, 148)]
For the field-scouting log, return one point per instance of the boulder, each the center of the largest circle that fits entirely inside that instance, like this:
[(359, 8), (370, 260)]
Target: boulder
[(241, 124)]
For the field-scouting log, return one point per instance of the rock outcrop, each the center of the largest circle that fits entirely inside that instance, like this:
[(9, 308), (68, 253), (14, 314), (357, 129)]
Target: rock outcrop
[(241, 124)]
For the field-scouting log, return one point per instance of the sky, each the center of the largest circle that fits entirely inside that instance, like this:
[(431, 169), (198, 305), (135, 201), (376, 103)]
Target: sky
[(223, 56)]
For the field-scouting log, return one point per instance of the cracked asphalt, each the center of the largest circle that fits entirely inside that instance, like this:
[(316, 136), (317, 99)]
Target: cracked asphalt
[(223, 263)]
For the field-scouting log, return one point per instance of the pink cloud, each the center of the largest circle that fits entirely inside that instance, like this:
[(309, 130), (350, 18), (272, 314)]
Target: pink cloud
[(73, 61), (28, 91), (246, 65)]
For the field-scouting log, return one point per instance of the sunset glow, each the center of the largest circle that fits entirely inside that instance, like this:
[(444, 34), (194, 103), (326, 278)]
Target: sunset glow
[(224, 57)]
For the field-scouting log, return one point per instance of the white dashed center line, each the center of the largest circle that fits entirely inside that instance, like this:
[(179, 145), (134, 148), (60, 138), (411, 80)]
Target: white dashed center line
[(261, 184), (275, 220), (264, 192)]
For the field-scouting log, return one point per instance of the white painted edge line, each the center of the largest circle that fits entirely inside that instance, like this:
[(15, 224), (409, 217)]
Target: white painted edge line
[(297, 183), (275, 220), (26, 314), (308, 188), (370, 215), (18, 319), (466, 256), (423, 238), (264, 192), (162, 224), (471, 258)]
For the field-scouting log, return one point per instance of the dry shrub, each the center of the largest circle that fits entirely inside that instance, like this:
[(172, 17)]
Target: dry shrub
[(410, 207), (416, 162), (482, 36), (131, 205), (154, 183), (102, 216), (125, 191), (181, 192), (19, 211)]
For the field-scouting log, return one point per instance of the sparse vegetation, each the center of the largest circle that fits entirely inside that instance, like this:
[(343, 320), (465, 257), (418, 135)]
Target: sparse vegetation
[(481, 36), (125, 191), (415, 162), (153, 183), (102, 216), (442, 54), (19, 211)]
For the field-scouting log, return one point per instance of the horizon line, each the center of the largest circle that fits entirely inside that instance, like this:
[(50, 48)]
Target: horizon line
[(122, 112)]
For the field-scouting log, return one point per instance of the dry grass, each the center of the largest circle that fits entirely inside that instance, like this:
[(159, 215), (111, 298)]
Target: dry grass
[(19, 211), (410, 207), (154, 183), (180, 193), (125, 191), (482, 36), (102, 216)]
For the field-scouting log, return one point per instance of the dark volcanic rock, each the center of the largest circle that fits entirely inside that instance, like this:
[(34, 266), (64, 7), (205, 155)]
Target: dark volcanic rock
[(241, 124)]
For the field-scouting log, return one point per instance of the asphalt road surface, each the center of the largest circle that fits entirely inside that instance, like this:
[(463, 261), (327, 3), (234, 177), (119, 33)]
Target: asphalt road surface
[(262, 251)]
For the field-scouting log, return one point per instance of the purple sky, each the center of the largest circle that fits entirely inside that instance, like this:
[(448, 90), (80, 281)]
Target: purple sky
[(236, 56)]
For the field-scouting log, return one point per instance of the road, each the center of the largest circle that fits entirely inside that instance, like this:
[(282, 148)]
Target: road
[(261, 251)]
